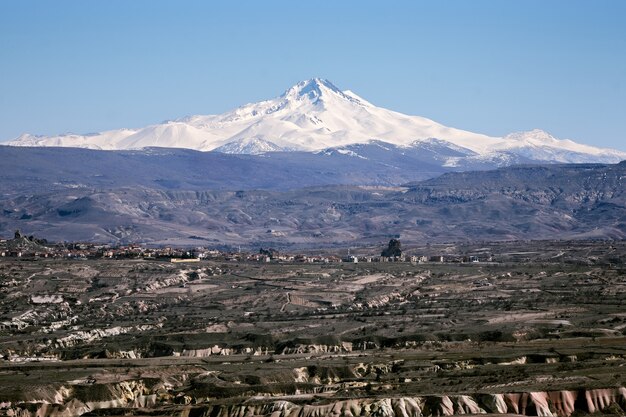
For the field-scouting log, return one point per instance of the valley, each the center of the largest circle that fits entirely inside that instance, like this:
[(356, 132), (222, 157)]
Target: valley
[(539, 329)]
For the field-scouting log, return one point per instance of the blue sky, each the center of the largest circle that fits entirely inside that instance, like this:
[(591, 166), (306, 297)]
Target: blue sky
[(488, 66)]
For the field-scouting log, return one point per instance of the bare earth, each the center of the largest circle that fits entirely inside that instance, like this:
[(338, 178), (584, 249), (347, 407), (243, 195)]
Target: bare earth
[(538, 331)]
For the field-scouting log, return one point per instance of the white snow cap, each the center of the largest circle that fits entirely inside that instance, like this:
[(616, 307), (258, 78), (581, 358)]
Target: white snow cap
[(313, 115)]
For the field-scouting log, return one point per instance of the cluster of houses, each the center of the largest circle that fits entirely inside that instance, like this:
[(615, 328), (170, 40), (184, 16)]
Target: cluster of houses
[(31, 248), (94, 251), (11, 248)]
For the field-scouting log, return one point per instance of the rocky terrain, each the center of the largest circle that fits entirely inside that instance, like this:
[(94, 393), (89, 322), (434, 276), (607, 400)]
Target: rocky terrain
[(148, 205), (532, 328)]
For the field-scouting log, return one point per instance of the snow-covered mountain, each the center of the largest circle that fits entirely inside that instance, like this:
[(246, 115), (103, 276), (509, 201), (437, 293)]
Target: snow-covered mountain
[(315, 115)]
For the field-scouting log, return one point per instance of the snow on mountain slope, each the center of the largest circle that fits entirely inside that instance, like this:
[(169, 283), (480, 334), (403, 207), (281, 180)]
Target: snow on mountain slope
[(314, 115), (250, 146), (103, 140), (538, 145)]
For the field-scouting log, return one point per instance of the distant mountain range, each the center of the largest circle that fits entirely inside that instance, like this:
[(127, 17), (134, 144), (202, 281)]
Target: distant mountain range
[(315, 167), (316, 116), (125, 196)]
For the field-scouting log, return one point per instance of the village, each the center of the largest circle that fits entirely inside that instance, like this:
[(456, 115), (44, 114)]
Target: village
[(30, 247)]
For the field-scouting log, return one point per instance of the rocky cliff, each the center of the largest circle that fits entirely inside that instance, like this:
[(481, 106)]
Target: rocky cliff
[(134, 396)]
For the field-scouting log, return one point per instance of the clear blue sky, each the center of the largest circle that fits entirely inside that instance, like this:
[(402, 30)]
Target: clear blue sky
[(488, 66)]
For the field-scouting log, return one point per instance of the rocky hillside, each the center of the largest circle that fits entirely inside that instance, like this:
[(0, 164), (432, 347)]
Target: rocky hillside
[(524, 202), (135, 398)]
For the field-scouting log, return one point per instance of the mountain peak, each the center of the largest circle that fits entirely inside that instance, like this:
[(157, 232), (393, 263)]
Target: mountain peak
[(312, 89), (315, 114), (535, 134)]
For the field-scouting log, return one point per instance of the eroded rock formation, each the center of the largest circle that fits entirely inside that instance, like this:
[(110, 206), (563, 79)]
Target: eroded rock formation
[(73, 401)]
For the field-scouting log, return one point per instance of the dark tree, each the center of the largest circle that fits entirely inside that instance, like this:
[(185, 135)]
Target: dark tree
[(272, 253), (392, 249)]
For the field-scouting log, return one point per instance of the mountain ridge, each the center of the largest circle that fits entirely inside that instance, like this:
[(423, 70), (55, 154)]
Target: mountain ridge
[(559, 201), (314, 115)]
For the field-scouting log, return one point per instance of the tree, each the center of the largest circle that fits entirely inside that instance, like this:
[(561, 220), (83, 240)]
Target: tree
[(272, 253), (392, 249)]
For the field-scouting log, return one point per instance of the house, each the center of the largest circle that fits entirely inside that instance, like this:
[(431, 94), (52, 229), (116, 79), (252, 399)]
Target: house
[(179, 260)]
